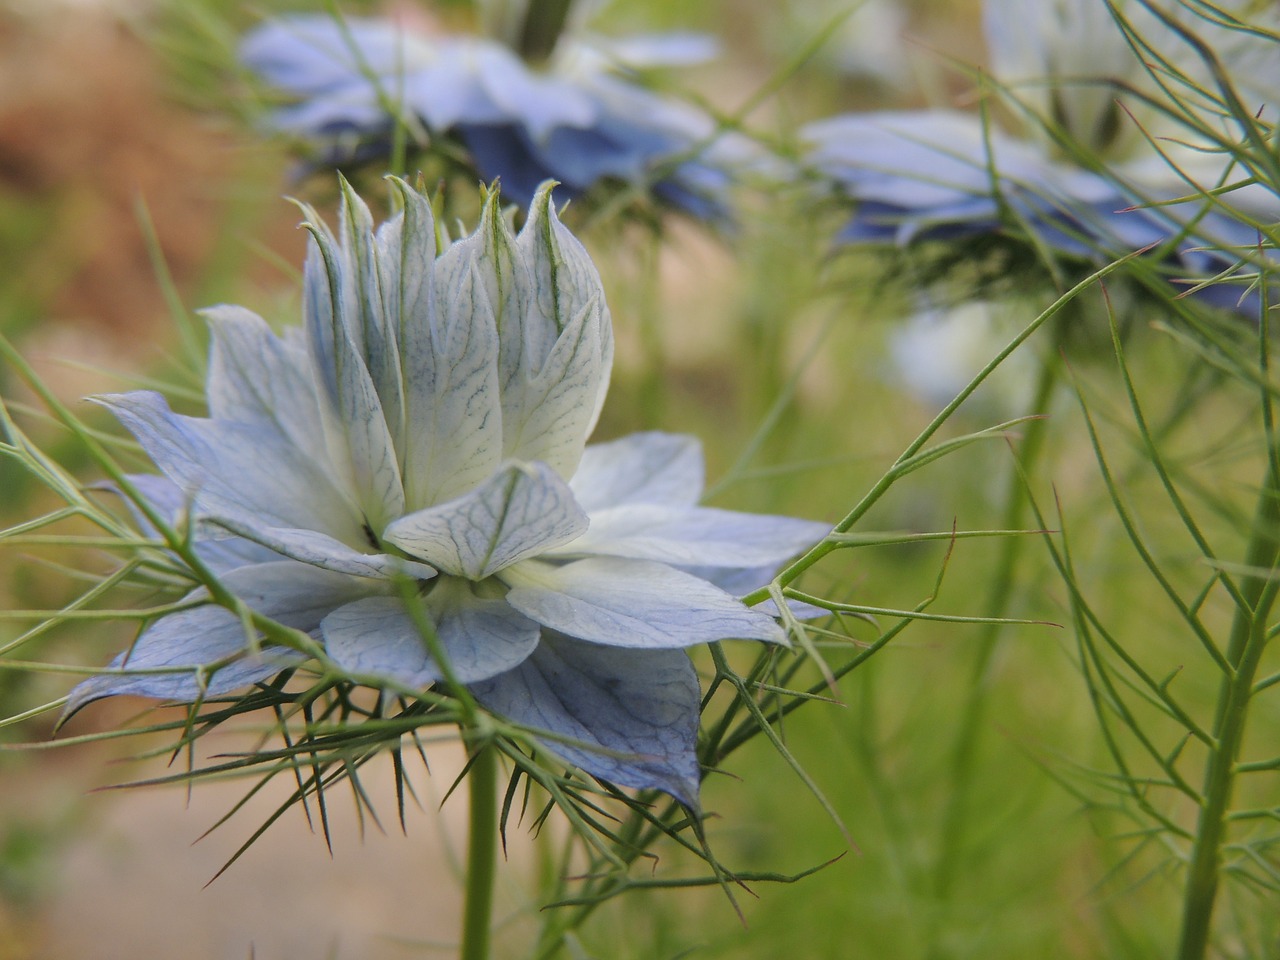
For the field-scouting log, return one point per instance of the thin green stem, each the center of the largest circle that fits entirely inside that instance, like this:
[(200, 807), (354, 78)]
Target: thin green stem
[(1003, 580), (482, 854), (543, 24), (1245, 645)]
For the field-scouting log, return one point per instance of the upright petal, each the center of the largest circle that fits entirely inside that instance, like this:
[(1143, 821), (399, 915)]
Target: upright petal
[(449, 347), (335, 333), (523, 510), (599, 702), (632, 603), (557, 352)]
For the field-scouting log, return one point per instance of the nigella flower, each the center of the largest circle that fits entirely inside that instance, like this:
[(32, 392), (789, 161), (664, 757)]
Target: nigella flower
[(576, 119), (428, 425), (943, 175)]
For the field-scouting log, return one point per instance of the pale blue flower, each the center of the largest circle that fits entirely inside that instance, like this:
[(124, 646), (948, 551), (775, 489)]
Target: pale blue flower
[(945, 175), (577, 119), (429, 421)]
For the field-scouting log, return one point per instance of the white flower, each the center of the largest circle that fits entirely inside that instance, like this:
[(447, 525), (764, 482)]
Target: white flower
[(429, 421)]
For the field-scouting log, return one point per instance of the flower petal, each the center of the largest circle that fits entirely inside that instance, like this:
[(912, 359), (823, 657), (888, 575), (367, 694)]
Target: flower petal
[(322, 550), (316, 53), (522, 510), (742, 581), (643, 704), (189, 641), (237, 470), (688, 536), (632, 603), (220, 551), (481, 638), (336, 301), (556, 350), (449, 349), (258, 378), (641, 468)]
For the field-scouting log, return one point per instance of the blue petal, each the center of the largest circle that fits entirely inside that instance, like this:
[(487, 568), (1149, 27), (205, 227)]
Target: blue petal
[(632, 603), (502, 152), (238, 470), (481, 637), (449, 350), (648, 467), (220, 553), (642, 50), (192, 644), (307, 55), (337, 302), (556, 351), (523, 510), (258, 378), (637, 709), (689, 536)]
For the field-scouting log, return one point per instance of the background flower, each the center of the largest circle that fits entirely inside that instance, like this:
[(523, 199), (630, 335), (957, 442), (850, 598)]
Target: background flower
[(941, 174), (418, 450), (580, 118)]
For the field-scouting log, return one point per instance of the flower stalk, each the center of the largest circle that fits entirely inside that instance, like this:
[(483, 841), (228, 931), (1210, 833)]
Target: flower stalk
[(1245, 646), (482, 854), (1002, 581)]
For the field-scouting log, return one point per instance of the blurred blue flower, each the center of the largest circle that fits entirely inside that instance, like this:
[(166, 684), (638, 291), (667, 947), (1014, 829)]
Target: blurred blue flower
[(428, 424), (577, 119), (945, 175)]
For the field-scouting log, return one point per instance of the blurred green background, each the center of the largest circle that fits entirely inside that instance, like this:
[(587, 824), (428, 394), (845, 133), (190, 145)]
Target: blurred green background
[(126, 165)]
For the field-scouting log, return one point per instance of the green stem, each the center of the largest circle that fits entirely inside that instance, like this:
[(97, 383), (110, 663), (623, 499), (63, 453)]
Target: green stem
[(482, 855), (1003, 581), (544, 22), (653, 382), (1244, 651)]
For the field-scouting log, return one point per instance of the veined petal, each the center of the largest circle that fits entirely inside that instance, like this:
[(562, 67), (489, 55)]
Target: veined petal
[(258, 378), (632, 603), (237, 470), (335, 336), (640, 468), (557, 352), (480, 637), (450, 355), (191, 643), (220, 551), (322, 550), (523, 510), (640, 704), (687, 536), (373, 330)]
